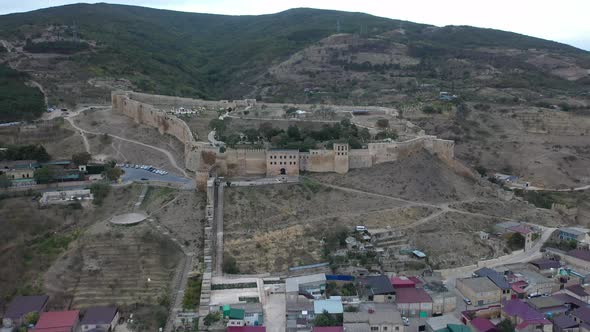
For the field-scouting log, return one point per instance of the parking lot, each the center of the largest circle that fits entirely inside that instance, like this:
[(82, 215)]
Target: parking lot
[(137, 174)]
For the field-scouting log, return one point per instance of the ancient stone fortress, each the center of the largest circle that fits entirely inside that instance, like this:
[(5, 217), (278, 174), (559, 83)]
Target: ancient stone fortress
[(205, 159)]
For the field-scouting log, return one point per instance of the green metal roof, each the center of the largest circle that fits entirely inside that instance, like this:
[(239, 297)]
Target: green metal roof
[(458, 328), (236, 313)]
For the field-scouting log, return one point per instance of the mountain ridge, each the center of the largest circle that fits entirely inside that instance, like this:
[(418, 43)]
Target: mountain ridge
[(222, 56)]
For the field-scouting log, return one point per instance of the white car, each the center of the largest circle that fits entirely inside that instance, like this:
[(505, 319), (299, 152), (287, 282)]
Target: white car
[(406, 321)]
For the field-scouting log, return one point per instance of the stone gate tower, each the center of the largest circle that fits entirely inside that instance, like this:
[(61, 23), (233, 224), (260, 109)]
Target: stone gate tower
[(341, 158)]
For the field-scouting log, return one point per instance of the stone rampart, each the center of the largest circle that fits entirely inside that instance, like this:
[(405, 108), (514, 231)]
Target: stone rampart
[(148, 115), (206, 160)]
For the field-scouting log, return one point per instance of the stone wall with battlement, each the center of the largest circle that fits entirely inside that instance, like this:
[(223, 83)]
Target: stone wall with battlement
[(204, 159)]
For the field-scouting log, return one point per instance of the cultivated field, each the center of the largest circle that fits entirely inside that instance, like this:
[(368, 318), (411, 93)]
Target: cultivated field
[(33, 238)]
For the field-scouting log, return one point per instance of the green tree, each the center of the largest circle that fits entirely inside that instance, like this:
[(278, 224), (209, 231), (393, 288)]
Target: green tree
[(516, 241), (100, 190), (382, 123), (113, 173), (211, 318), (293, 133), (364, 134), (505, 326), (4, 181), (326, 319), (44, 175), (81, 158), (31, 318), (230, 264)]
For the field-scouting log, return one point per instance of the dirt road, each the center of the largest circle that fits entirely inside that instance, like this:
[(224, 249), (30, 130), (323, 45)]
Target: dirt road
[(87, 145), (443, 206)]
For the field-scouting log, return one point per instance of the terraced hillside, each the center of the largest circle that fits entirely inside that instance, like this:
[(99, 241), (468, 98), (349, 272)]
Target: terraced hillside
[(121, 266)]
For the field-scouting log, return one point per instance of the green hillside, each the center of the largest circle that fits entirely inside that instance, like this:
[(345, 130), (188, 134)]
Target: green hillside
[(17, 100), (217, 56), (185, 53)]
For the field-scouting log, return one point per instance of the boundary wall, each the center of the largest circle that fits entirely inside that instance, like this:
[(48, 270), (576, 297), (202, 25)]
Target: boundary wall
[(207, 160)]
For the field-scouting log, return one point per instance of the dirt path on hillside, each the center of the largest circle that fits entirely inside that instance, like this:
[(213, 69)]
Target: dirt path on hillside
[(444, 207), (84, 131)]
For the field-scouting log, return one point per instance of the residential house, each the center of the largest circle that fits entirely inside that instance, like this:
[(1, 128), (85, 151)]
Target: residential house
[(564, 323), (443, 300), (582, 316), (525, 317), (548, 305), (58, 321), (578, 292), (402, 282), (300, 293), (332, 305), (19, 171), (497, 278), (253, 313), (479, 324), (579, 259), (376, 288), (546, 267), (441, 322), (104, 318), (536, 282), (413, 302), (577, 234), (22, 305), (314, 284), (380, 317), (569, 301), (480, 291)]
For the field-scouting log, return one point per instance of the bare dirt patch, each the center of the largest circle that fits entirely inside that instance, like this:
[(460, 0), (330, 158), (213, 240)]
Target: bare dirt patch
[(271, 228), (421, 177), (107, 121), (452, 240)]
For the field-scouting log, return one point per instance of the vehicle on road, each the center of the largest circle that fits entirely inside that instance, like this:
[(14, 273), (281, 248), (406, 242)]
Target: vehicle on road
[(467, 301)]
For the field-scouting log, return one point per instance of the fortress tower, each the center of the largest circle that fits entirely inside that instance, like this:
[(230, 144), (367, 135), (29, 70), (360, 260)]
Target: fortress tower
[(341, 158)]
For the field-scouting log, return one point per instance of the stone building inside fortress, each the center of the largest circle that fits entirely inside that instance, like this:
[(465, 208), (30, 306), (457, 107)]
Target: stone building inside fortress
[(205, 159)]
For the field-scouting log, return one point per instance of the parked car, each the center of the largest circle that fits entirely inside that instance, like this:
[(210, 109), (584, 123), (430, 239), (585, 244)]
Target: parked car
[(466, 300), (361, 228), (406, 321)]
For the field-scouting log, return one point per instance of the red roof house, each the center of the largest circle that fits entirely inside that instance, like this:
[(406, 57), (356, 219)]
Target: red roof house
[(412, 301), (57, 321), (482, 325), (402, 282)]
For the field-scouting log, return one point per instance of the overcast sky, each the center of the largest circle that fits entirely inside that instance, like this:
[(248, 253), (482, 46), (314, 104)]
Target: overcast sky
[(566, 21)]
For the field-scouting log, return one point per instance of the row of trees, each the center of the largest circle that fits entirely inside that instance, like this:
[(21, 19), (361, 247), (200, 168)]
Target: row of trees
[(296, 138), (25, 152)]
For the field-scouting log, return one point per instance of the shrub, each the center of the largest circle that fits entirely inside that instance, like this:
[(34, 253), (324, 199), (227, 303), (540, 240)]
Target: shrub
[(382, 123), (100, 191)]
